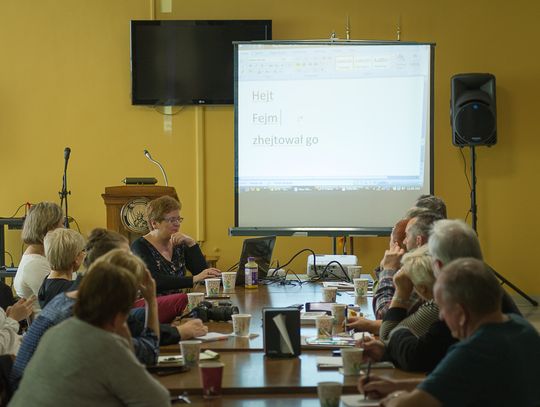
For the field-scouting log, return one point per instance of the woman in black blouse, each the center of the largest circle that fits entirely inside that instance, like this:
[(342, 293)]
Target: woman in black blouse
[(167, 252)]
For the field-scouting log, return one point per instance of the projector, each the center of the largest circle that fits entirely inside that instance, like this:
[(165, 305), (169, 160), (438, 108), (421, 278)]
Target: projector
[(333, 271)]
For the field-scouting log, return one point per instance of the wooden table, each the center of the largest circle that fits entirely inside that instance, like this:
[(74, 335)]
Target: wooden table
[(252, 301), (249, 374)]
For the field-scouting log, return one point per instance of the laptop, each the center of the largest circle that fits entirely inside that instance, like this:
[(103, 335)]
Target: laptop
[(259, 247)]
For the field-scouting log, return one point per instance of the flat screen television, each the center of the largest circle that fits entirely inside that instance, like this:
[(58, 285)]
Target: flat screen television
[(185, 62)]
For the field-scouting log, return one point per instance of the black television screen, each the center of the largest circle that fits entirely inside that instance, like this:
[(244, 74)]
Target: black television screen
[(184, 62)]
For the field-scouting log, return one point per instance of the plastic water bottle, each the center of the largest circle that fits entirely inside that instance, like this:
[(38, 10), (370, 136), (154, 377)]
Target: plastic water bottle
[(252, 273)]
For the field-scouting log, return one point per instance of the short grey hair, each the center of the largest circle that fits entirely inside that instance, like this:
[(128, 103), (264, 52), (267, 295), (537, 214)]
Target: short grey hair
[(62, 246), (41, 218), (416, 211), (424, 223), (419, 267), (433, 203), (453, 239), (467, 281)]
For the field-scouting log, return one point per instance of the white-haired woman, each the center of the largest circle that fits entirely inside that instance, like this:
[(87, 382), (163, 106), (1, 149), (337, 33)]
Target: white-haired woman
[(416, 274), (64, 249)]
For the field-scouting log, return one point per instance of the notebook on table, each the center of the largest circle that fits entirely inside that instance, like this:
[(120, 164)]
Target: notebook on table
[(261, 248)]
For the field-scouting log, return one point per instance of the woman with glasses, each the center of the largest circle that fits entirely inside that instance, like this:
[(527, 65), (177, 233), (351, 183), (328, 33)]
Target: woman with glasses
[(169, 253)]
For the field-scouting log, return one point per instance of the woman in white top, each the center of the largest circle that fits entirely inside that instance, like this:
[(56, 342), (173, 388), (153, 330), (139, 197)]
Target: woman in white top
[(34, 267)]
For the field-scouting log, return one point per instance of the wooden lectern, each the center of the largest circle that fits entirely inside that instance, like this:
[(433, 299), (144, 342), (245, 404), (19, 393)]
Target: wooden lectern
[(116, 197)]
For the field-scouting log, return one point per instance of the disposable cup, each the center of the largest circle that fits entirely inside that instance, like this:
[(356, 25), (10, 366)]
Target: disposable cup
[(329, 393), (229, 281), (329, 294), (190, 352), (194, 299), (212, 286), (339, 312), (354, 272), (352, 361), (241, 324), (360, 286), (324, 324), (211, 378)]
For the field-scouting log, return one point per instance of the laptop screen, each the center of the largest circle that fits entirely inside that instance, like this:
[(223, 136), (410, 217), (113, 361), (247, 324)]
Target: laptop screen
[(259, 247)]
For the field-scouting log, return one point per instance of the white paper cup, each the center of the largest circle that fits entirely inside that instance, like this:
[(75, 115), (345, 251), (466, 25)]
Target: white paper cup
[(329, 294), (354, 272), (241, 324), (229, 281), (360, 286), (194, 299), (190, 352), (352, 361), (329, 393), (212, 286), (339, 313), (324, 324)]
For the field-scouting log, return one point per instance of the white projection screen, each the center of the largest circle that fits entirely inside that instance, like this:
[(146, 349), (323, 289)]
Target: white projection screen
[(331, 135)]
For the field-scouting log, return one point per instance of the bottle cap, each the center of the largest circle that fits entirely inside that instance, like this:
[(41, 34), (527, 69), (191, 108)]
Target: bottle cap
[(251, 258)]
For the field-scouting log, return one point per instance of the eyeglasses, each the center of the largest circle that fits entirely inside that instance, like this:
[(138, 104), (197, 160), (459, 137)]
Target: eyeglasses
[(178, 219)]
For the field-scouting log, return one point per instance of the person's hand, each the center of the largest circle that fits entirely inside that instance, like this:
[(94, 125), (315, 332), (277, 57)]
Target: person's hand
[(192, 329), (392, 257), (362, 324), (373, 349), (22, 309), (207, 273), (148, 287), (393, 398), (404, 285), (180, 238), (376, 387)]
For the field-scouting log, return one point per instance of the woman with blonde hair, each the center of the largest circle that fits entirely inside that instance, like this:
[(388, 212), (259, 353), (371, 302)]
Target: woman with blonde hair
[(64, 249), (34, 267), (416, 274)]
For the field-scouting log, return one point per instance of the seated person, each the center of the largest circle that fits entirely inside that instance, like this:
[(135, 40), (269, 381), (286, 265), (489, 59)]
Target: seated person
[(101, 241), (34, 267), (64, 249), (449, 240), (146, 345), (414, 234), (433, 204), (167, 252), (88, 359), (416, 274), (496, 362), (10, 340)]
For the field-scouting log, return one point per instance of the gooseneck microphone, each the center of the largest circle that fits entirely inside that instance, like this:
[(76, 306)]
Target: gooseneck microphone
[(147, 155), (67, 152)]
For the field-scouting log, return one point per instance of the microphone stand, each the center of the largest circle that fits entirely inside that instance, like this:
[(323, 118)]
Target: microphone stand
[(147, 155), (64, 192)]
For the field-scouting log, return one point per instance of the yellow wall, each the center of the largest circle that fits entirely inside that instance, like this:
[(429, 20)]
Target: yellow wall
[(65, 81)]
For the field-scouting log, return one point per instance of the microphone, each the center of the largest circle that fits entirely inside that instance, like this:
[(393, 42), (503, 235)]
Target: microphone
[(67, 152), (147, 155)]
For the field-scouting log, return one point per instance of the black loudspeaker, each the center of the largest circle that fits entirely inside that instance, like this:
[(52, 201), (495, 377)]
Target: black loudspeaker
[(473, 112)]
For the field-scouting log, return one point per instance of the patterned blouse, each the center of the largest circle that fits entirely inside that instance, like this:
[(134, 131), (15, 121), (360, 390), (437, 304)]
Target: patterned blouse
[(170, 276)]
